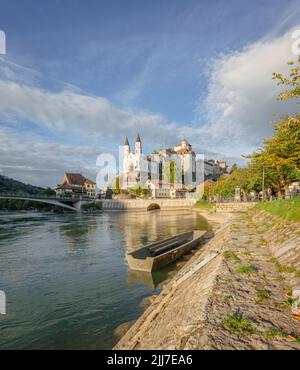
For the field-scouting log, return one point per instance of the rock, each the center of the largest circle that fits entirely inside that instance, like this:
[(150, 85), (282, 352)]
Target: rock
[(122, 329), (147, 301)]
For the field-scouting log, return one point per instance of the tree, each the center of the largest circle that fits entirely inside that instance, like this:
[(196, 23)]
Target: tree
[(233, 168), (171, 174), (292, 81), (47, 192), (140, 189), (278, 161), (280, 155)]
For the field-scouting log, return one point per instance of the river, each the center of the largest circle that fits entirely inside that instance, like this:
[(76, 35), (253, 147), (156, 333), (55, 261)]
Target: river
[(65, 276)]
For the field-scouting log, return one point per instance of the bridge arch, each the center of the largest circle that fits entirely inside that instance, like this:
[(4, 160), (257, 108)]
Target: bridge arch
[(49, 201), (153, 206)]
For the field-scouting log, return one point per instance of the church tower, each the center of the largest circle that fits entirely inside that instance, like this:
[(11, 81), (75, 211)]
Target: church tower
[(138, 145), (126, 147), (126, 155)]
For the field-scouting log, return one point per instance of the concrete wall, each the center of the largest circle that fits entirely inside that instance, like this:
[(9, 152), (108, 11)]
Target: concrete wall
[(143, 204), (234, 206)]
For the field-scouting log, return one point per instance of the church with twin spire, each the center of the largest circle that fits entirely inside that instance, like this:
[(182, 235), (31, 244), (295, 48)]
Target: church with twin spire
[(135, 163)]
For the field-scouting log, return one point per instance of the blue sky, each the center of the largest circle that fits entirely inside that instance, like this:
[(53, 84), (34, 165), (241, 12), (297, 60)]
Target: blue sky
[(82, 74)]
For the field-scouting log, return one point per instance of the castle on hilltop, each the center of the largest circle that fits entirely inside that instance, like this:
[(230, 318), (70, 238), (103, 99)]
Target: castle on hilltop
[(136, 163)]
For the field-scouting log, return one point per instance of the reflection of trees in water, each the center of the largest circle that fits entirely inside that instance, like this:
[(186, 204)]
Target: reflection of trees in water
[(202, 224)]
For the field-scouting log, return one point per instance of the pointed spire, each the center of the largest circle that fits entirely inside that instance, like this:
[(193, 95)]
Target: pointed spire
[(138, 139), (126, 141)]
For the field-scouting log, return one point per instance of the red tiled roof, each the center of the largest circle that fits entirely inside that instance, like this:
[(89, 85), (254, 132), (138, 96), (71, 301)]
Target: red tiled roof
[(183, 151), (75, 179), (64, 185)]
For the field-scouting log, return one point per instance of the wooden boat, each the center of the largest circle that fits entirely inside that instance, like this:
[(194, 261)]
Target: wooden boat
[(156, 255)]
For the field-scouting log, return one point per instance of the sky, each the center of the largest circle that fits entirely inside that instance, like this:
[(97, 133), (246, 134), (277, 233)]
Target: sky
[(78, 76)]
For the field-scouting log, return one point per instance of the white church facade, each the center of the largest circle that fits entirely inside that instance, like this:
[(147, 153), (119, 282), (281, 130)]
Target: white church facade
[(169, 172)]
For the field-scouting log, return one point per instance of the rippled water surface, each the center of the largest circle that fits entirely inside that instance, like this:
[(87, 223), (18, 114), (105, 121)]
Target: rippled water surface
[(66, 280)]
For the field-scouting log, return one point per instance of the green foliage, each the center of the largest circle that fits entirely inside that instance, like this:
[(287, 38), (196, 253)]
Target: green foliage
[(233, 168), (288, 209), (47, 192), (262, 294), (171, 173), (247, 270), (235, 323), (280, 155), (288, 303), (8, 185), (22, 205), (140, 190), (205, 204), (274, 333), (229, 255), (247, 179), (284, 269), (91, 207), (116, 186), (292, 82)]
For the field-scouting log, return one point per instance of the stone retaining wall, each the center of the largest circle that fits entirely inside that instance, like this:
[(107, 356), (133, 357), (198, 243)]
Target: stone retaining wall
[(234, 206)]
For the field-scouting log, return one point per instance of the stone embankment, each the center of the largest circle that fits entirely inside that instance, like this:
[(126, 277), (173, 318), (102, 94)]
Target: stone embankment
[(234, 293)]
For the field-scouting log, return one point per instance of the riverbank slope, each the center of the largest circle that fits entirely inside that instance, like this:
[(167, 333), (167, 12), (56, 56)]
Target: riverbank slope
[(240, 298)]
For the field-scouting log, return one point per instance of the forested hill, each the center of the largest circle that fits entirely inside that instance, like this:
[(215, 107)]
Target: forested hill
[(8, 185)]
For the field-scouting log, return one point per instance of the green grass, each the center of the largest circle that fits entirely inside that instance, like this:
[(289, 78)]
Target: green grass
[(235, 323), (204, 204), (247, 270), (263, 242), (262, 295), (287, 304), (284, 269), (227, 299), (287, 209), (275, 333), (228, 255)]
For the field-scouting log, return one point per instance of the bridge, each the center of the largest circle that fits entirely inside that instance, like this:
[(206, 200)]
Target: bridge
[(66, 203), (74, 204)]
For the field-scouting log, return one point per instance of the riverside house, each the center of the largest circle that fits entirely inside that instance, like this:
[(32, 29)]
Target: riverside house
[(74, 184)]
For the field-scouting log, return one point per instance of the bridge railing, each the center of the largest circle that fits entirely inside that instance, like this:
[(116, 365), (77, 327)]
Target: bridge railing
[(33, 196)]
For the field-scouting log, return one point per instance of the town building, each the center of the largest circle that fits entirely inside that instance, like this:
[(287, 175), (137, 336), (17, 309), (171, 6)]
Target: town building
[(138, 168), (74, 184), (213, 169)]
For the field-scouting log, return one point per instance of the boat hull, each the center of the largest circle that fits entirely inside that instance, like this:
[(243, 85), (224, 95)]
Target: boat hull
[(140, 260)]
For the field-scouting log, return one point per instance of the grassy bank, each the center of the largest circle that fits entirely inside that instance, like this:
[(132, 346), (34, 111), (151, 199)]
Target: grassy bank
[(286, 209), (204, 204)]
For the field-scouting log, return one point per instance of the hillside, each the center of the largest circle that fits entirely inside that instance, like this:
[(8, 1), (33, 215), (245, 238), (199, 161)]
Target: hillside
[(8, 185)]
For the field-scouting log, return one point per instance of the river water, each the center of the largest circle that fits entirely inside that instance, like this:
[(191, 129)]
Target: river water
[(65, 276)]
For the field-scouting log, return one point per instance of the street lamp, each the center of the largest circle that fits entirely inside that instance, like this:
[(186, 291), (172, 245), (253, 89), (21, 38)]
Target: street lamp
[(263, 184)]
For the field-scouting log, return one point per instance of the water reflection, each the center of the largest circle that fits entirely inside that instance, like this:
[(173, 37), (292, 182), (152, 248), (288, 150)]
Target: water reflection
[(74, 234), (141, 228), (66, 277)]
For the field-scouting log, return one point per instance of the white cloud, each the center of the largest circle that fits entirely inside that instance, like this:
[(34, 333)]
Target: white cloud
[(42, 163), (76, 113), (242, 97), (238, 111)]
